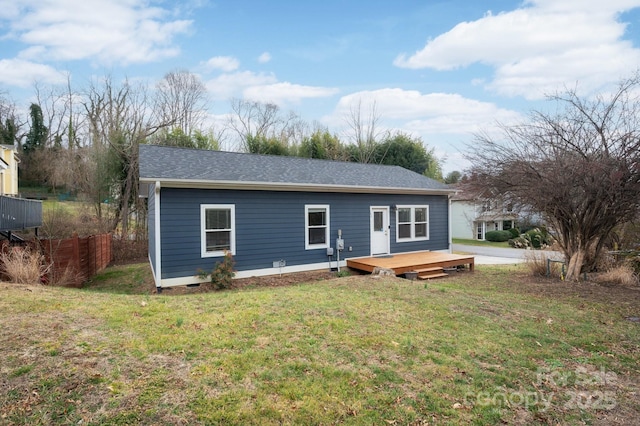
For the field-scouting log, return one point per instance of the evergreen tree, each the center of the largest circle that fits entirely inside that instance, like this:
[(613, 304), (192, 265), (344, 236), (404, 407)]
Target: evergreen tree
[(37, 136)]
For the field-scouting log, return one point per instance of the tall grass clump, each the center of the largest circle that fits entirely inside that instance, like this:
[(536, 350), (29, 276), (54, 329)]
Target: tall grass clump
[(536, 263), (622, 274), (23, 265)]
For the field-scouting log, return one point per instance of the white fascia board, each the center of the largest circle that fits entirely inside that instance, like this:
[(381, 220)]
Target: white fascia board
[(278, 186)]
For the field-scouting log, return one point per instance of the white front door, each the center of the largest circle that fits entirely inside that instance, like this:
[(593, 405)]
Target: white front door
[(379, 230)]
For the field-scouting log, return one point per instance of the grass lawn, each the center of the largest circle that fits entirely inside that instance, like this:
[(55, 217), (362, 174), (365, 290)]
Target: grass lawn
[(503, 244), (489, 347)]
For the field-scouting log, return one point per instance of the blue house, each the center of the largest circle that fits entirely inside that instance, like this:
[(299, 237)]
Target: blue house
[(282, 214)]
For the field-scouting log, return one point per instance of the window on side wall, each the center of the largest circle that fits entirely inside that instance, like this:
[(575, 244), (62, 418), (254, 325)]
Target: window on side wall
[(412, 223), (218, 230), (316, 223)]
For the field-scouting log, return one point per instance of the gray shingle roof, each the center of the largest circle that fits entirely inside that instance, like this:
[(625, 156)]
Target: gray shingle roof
[(199, 167)]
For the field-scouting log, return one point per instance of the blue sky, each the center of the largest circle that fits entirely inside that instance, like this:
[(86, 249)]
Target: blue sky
[(439, 70)]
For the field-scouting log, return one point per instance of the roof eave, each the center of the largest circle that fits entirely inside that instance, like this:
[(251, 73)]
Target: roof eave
[(279, 186)]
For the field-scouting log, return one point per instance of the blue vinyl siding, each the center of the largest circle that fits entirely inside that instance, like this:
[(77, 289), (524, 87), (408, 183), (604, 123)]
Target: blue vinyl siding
[(270, 226), (151, 225)]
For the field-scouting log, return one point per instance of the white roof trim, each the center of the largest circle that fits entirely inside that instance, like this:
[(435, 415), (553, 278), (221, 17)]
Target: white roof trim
[(280, 186)]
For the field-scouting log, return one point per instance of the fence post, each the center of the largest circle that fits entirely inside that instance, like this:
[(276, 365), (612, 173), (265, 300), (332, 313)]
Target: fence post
[(76, 255), (548, 267)]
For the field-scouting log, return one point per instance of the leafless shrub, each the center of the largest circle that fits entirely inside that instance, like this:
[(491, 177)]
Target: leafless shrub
[(23, 265), (60, 222), (606, 262), (536, 263), (68, 277), (125, 251)]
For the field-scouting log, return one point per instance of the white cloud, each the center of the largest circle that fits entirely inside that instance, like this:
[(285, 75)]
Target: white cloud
[(264, 58), (433, 113), (9, 9), (223, 63), (231, 85), (105, 31), (21, 73), (285, 92), (539, 46), (263, 88)]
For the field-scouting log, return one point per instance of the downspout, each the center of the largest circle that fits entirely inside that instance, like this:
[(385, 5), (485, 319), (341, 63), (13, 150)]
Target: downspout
[(449, 221), (157, 241)]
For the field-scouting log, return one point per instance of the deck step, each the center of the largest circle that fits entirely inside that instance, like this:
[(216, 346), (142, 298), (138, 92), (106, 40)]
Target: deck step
[(428, 277), (432, 269), (432, 272)]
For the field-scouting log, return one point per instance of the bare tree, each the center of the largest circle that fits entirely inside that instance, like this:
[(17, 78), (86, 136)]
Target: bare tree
[(63, 114), (65, 121), (181, 101), (252, 120), (363, 132), (120, 118), (256, 121), (578, 167)]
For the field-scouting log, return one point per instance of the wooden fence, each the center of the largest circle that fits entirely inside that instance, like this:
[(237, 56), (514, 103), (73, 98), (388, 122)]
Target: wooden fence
[(74, 260)]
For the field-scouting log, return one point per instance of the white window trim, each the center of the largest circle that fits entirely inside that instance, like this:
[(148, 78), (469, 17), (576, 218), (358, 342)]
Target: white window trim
[(413, 223), (308, 246), (203, 233)]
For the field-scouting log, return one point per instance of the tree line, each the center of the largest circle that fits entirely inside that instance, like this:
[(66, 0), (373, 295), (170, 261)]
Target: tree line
[(86, 141)]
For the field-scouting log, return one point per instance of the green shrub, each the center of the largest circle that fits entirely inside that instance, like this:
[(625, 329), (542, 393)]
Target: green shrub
[(539, 238), (222, 275), (515, 232), (497, 236)]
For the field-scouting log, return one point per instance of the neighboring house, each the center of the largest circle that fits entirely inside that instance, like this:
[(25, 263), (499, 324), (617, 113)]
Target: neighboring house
[(281, 214), (8, 170), (473, 215)]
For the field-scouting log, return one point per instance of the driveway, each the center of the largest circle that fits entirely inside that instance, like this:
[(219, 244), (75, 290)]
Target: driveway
[(497, 255)]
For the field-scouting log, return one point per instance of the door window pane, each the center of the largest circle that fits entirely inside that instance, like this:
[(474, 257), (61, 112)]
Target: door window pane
[(378, 222)]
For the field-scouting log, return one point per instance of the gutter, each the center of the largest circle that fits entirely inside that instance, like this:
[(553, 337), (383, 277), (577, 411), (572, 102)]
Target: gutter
[(279, 186)]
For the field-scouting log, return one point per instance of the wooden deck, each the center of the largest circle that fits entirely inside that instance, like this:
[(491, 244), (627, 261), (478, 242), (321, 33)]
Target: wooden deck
[(428, 264)]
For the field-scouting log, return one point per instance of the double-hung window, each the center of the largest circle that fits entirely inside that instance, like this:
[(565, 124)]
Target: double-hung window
[(316, 223), (218, 230), (412, 223)]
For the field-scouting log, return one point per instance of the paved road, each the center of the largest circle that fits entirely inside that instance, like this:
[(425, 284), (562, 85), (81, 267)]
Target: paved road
[(490, 251), (496, 255)]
